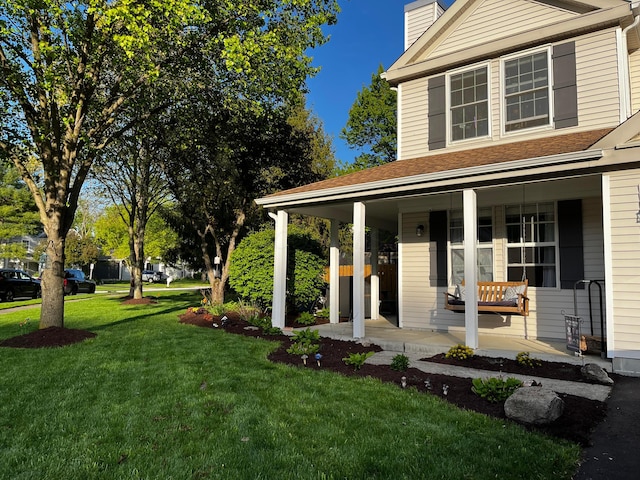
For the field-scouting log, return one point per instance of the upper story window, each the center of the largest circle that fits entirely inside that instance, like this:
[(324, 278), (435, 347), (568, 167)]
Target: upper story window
[(527, 91), (469, 104)]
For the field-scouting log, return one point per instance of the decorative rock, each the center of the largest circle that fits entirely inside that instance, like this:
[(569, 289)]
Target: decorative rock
[(594, 372), (534, 406)]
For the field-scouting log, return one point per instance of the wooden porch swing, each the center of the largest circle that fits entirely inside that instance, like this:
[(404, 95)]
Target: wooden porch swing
[(497, 297), (493, 297)]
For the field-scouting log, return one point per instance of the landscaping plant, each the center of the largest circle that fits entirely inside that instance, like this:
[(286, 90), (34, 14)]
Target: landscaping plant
[(306, 318), (400, 363), (526, 360), (460, 352), (357, 359), (305, 342), (495, 389)]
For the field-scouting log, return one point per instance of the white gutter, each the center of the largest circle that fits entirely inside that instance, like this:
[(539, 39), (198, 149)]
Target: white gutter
[(405, 182)]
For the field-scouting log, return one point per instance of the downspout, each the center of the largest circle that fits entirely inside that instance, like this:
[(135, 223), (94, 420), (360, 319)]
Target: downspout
[(625, 82)]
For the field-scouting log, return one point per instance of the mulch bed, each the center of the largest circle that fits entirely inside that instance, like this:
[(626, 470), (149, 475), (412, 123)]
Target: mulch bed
[(555, 370), (48, 337), (576, 423)]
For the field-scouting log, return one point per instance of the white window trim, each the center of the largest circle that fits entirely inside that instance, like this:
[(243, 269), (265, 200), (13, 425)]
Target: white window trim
[(556, 242), (503, 116), (448, 76)]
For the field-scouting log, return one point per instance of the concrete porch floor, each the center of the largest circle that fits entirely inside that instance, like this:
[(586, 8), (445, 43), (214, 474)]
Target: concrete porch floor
[(384, 333)]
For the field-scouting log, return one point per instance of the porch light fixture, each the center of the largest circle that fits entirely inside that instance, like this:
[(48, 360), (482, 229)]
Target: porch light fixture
[(419, 230)]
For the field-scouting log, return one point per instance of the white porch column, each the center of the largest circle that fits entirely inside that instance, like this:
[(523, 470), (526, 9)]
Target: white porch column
[(375, 278), (358, 269), (470, 270), (278, 307), (334, 273)]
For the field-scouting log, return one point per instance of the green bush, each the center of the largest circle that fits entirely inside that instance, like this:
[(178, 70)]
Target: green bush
[(400, 362), (306, 318), (524, 359), (324, 313), (251, 270), (460, 352), (495, 389), (305, 342), (357, 359), (271, 331)]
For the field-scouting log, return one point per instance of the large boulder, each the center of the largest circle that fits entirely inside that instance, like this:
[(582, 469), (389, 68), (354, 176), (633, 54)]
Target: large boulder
[(534, 406), (596, 373)]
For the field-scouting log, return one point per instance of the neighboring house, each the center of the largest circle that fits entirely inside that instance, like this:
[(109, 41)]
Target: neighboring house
[(518, 154), (26, 262)]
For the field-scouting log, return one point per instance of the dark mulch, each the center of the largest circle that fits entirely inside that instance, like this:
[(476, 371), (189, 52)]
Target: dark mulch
[(555, 370), (576, 424), (48, 337)]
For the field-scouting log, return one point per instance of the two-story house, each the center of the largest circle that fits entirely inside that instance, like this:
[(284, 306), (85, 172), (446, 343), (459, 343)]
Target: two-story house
[(518, 159)]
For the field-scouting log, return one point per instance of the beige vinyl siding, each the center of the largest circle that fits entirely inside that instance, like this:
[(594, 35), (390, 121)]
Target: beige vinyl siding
[(418, 297), (511, 16), (414, 126), (634, 70), (625, 249), (419, 20), (597, 75)]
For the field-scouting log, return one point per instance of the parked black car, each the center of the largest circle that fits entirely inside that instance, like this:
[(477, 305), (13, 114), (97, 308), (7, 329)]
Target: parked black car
[(76, 282), (17, 283)]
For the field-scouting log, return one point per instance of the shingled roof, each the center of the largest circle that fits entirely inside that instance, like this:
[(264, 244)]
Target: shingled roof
[(441, 162)]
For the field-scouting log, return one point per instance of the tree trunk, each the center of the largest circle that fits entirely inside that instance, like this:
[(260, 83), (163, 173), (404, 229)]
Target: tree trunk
[(136, 261), (52, 311)]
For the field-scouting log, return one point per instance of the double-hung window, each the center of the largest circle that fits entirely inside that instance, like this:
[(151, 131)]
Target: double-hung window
[(484, 247), (527, 91), (469, 104), (531, 243)]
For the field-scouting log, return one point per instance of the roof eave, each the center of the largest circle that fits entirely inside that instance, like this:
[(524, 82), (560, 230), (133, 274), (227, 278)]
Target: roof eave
[(398, 185)]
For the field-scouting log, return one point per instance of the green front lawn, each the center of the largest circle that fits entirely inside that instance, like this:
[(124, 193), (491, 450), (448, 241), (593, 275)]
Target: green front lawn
[(151, 398)]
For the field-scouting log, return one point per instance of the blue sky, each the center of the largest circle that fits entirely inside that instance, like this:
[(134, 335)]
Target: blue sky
[(368, 33)]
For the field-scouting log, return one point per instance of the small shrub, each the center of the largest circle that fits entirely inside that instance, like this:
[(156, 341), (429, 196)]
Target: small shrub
[(460, 352), (400, 362), (303, 349), (272, 331), (259, 321), (306, 318), (306, 335), (248, 310), (495, 389), (357, 359), (305, 342), (217, 309), (323, 313), (524, 359)]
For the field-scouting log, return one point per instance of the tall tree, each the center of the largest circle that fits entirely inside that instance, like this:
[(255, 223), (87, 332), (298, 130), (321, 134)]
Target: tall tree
[(68, 71), (372, 124), (132, 178), (220, 163)]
